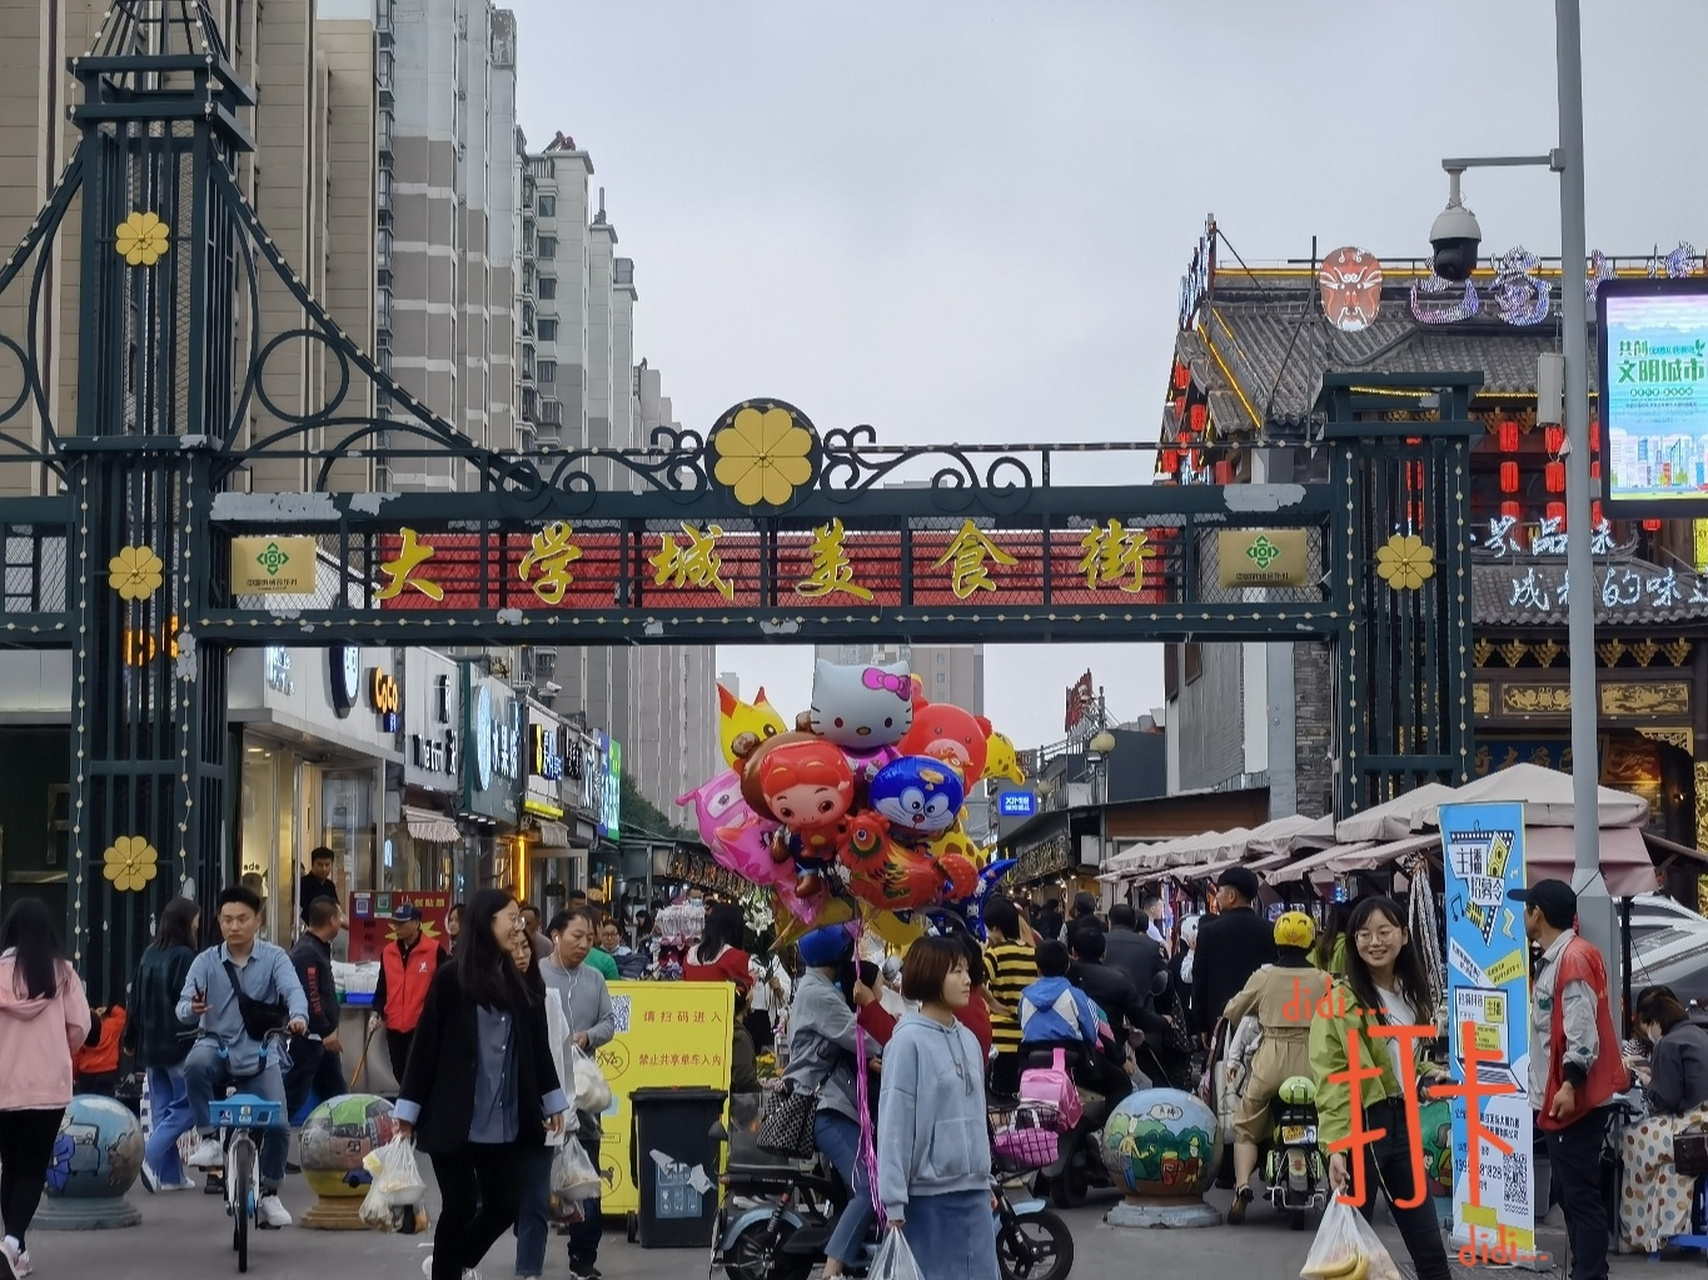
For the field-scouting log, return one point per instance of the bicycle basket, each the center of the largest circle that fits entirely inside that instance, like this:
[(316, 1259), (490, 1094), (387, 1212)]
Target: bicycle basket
[(1024, 1137), (244, 1111)]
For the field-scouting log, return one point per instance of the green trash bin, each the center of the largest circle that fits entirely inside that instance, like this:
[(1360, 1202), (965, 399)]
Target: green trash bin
[(673, 1160)]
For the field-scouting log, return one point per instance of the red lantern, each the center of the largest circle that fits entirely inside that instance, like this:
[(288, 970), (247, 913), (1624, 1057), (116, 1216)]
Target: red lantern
[(1595, 519), (1182, 377), (1178, 404), (1557, 511), (1595, 470), (1554, 474), (1651, 526), (1556, 439), (1594, 435), (1506, 436), (1509, 477), (1512, 510), (1171, 460), (1224, 473), (1200, 415)]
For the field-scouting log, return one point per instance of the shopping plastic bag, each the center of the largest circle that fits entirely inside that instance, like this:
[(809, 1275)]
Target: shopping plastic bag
[(894, 1260), (395, 1173), (592, 1094), (1346, 1247), (574, 1179), (376, 1210)]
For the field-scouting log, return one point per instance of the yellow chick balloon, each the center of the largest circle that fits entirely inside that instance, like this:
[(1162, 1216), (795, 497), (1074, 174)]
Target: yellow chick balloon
[(1003, 761), (736, 717)]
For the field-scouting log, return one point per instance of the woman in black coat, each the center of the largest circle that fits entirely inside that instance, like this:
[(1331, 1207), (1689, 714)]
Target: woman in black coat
[(480, 1091)]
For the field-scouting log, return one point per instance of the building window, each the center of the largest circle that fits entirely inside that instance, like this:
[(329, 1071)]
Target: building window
[(548, 330), (547, 206), (548, 288), (548, 248), (547, 370)]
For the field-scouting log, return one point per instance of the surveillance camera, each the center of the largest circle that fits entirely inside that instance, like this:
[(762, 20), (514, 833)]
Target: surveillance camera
[(552, 686), (1455, 238)]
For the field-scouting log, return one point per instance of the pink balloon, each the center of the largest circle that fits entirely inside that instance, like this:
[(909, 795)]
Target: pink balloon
[(739, 839)]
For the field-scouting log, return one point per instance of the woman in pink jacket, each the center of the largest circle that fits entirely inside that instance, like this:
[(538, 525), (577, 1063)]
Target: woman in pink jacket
[(44, 1016)]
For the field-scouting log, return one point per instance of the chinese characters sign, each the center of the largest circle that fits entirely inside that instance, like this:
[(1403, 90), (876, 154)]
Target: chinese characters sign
[(1488, 993), (1654, 391)]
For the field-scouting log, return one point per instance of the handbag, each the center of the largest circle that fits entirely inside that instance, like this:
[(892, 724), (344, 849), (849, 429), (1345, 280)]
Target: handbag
[(786, 1121), (1053, 1086), (259, 1016), (1690, 1153)]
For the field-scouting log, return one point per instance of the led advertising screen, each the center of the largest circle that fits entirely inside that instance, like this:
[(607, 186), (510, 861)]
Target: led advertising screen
[(1653, 346)]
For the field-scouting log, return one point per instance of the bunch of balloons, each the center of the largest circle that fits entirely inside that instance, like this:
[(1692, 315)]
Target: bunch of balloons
[(860, 803)]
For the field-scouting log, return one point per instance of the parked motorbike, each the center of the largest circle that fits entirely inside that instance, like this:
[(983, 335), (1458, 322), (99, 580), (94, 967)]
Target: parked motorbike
[(1295, 1178), (1078, 1167)]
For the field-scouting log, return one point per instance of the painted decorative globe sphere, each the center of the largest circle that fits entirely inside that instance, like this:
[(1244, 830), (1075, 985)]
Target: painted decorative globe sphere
[(1162, 1143), (335, 1137), (98, 1152)]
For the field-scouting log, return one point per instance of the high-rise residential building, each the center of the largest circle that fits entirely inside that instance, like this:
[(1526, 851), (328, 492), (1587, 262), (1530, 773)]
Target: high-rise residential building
[(312, 182), (952, 673)]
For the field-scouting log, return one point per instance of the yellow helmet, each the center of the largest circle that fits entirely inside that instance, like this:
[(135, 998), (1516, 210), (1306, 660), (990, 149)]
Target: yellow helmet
[(1295, 929)]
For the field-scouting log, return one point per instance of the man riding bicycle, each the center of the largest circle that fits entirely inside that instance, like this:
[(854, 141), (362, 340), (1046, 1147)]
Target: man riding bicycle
[(237, 992)]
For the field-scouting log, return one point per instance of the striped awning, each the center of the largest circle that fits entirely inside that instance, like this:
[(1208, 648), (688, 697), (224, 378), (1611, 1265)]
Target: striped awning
[(430, 825)]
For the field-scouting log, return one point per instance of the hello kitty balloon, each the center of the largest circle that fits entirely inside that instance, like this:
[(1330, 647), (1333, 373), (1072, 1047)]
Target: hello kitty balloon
[(863, 708)]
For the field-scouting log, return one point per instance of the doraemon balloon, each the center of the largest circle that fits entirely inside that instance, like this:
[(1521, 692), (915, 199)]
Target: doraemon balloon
[(919, 797), (862, 708)]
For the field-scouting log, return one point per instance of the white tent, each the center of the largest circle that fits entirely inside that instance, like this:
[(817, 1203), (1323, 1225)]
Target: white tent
[(1547, 797), (1397, 818)]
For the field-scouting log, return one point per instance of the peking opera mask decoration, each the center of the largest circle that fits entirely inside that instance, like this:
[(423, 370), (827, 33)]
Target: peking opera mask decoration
[(1350, 281)]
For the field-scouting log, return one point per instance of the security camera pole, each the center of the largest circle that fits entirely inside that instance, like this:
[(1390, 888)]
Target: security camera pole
[(1595, 906)]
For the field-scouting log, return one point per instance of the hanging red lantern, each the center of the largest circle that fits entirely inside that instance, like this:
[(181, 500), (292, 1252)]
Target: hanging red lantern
[(1594, 435), (1556, 439), (1651, 526), (1595, 519), (1595, 470), (1509, 477), (1554, 475), (1506, 436), (1512, 510), (1224, 473), (1178, 404), (1200, 415), (1171, 460), (1182, 377), (1557, 511)]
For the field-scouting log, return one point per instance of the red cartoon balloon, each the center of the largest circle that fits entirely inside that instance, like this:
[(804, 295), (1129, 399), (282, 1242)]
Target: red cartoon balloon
[(945, 732)]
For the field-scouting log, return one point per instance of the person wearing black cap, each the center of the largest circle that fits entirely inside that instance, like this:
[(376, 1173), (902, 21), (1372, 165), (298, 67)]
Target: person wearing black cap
[(1231, 947), (407, 966), (1575, 1066)]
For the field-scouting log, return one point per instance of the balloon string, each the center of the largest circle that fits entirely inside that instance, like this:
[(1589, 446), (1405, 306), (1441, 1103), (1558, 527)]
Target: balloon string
[(867, 1157)]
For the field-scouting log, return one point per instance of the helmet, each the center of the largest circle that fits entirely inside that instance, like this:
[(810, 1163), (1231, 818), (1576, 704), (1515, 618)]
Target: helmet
[(1297, 1091), (1295, 929), (825, 947)]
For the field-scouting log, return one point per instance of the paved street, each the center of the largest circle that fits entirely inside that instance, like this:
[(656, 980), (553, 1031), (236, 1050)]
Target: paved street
[(186, 1235)]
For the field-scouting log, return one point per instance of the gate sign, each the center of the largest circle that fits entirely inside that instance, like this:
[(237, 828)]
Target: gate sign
[(1488, 986)]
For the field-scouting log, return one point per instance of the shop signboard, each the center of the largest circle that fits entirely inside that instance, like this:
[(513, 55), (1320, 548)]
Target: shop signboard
[(370, 919), (432, 721), (668, 1034), (492, 757), (1488, 987), (602, 783), (546, 736), (273, 566), (1653, 338)]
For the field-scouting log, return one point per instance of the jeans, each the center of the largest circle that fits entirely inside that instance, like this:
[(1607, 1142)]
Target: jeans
[(952, 1235), (27, 1137), (206, 1073), (169, 1120), (531, 1211), (312, 1069), (1574, 1155), (839, 1138), (1387, 1163), (479, 1189)]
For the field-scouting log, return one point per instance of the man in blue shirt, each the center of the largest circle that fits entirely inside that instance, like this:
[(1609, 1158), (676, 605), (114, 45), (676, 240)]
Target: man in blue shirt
[(227, 1052)]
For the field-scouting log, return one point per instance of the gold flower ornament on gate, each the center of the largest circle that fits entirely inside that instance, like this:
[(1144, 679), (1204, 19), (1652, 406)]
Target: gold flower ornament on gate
[(1404, 563), (141, 238), (763, 456), (130, 862), (136, 573)]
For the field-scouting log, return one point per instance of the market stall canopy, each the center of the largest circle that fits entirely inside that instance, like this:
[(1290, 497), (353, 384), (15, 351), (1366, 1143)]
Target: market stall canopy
[(431, 826), (1397, 818), (1547, 797), (1278, 836), (1225, 848), (1625, 861), (1211, 870), (1179, 852), (1340, 858)]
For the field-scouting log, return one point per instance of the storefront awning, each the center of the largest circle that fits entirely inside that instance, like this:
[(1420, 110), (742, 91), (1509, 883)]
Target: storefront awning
[(430, 825), (553, 835)]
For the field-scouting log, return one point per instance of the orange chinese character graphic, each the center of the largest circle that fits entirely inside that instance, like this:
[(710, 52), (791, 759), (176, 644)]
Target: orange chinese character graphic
[(969, 552), (832, 571), (1473, 1091), (410, 557), (551, 551), (1115, 557), (1408, 1038), (695, 563), (1360, 1139)]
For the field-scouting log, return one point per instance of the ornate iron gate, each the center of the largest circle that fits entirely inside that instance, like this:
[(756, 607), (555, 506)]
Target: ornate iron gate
[(149, 560)]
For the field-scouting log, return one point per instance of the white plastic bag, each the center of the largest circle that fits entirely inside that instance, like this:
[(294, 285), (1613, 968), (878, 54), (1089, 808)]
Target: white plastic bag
[(395, 1172), (894, 1260), (1346, 1246), (592, 1094), (574, 1179)]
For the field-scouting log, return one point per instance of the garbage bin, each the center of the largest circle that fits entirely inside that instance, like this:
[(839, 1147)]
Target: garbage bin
[(673, 1160)]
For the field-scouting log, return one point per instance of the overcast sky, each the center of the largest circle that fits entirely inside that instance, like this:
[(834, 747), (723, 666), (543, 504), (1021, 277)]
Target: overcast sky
[(966, 221)]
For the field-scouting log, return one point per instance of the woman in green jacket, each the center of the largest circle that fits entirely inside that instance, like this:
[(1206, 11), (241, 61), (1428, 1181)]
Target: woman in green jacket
[(1385, 984)]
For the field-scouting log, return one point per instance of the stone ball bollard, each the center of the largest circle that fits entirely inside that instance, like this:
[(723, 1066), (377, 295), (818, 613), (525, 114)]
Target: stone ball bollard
[(1162, 1148), (334, 1139), (96, 1158)]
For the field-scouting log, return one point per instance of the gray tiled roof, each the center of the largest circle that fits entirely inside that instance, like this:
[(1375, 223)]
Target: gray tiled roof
[(1277, 344), (1524, 591)]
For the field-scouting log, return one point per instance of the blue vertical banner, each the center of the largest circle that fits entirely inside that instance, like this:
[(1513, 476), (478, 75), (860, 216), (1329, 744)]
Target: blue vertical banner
[(1488, 986)]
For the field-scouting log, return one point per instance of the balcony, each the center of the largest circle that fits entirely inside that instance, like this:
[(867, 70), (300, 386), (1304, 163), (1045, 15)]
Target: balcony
[(551, 413)]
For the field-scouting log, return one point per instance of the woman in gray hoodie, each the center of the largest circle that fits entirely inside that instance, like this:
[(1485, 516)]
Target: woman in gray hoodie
[(933, 1143)]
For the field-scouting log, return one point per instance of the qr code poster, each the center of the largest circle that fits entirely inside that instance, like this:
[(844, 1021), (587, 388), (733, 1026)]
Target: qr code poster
[(620, 1006)]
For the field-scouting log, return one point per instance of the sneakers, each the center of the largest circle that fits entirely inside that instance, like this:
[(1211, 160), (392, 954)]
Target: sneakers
[(1236, 1210), (186, 1183), (469, 1273), (209, 1155), (150, 1179), (272, 1212), (16, 1258)]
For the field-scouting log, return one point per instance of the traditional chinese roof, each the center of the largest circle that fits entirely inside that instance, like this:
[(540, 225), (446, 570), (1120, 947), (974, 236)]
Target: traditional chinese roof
[(1263, 346), (1522, 590)]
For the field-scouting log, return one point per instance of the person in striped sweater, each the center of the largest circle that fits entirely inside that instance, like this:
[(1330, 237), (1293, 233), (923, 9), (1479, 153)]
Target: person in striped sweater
[(1013, 965)]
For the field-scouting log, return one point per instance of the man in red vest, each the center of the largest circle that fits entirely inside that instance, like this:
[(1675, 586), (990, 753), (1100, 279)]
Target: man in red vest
[(407, 966), (1575, 1067)]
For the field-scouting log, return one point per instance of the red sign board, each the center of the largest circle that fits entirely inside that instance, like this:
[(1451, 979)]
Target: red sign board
[(370, 919)]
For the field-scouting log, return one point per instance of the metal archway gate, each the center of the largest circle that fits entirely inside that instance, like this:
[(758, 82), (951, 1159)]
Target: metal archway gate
[(150, 559)]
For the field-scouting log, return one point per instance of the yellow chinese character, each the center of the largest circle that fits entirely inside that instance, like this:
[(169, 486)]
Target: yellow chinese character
[(410, 557), (831, 568), (551, 551), (696, 563), (969, 551), (1115, 556)]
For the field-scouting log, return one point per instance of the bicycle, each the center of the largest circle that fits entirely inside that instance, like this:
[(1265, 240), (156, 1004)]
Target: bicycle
[(241, 1118)]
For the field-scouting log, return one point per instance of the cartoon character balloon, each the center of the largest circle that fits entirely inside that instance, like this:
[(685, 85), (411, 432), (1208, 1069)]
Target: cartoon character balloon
[(945, 732), (861, 708), (958, 859), (1002, 760), (738, 838), (804, 783), (917, 796), (735, 718)]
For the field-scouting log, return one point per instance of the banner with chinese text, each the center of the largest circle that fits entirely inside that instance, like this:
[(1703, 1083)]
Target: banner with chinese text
[(1488, 986), (370, 919), (668, 1034)]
